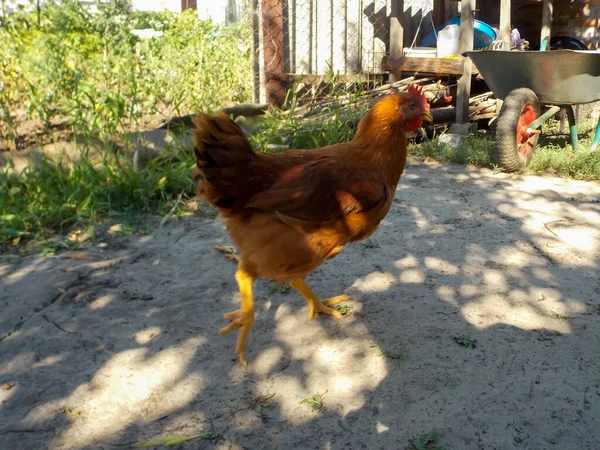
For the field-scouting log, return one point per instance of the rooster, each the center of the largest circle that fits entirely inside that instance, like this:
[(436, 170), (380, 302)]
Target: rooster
[(289, 212)]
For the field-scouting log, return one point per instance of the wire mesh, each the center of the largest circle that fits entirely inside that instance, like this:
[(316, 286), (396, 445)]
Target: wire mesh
[(327, 37)]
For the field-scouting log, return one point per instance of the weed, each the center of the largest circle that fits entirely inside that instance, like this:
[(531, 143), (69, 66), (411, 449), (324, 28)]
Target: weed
[(344, 309), (315, 402), (428, 442), (555, 315), (171, 441), (260, 403), (69, 411), (465, 340), (370, 244), (278, 287), (400, 355), (54, 246)]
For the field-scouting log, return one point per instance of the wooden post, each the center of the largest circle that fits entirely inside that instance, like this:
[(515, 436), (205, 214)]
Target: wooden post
[(256, 65), (275, 77), (505, 25), (396, 36), (439, 12), (546, 25), (467, 23)]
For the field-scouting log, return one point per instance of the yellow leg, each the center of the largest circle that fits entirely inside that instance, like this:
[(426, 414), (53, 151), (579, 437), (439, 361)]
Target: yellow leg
[(314, 303), (243, 318)]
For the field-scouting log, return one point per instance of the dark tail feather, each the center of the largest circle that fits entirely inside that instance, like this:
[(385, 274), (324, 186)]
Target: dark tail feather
[(219, 142), (221, 149)]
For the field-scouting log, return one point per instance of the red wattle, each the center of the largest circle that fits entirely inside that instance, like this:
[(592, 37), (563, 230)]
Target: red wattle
[(414, 124)]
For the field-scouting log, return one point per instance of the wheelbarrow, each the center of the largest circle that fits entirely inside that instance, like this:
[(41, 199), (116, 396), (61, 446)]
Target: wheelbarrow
[(529, 81)]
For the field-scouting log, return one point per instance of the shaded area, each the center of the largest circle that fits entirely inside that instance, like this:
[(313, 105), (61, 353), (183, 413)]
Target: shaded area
[(123, 348)]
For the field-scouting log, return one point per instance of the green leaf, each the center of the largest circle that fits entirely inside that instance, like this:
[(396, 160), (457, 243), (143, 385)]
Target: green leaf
[(418, 445), (432, 437), (170, 441), (13, 232)]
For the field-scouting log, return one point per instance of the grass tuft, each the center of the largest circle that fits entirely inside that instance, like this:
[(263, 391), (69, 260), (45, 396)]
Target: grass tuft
[(52, 199)]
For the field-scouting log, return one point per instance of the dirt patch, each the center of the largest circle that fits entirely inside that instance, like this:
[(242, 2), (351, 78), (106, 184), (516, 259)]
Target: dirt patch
[(31, 133), (475, 311)]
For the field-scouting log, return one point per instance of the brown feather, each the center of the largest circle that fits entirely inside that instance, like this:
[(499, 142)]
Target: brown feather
[(289, 212)]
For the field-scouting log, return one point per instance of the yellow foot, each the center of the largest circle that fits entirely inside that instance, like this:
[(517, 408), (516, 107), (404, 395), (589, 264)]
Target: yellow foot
[(323, 307), (242, 319)]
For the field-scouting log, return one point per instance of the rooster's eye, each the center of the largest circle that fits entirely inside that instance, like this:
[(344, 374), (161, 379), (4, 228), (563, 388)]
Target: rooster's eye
[(412, 105)]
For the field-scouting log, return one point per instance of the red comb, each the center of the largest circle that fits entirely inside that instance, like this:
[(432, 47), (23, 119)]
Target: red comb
[(415, 89)]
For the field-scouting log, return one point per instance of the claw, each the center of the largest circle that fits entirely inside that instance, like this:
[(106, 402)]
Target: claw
[(323, 307), (243, 320), (319, 307)]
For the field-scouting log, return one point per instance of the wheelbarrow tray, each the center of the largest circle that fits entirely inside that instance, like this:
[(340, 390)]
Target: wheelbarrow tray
[(557, 76)]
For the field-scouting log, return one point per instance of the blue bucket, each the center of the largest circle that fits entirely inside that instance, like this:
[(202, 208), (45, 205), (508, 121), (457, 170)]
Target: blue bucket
[(484, 34)]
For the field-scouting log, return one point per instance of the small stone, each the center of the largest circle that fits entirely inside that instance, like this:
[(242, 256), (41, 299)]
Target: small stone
[(451, 139)]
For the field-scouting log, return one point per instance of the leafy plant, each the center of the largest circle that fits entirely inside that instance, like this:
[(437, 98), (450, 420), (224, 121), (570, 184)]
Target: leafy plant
[(261, 403), (344, 309), (428, 442), (92, 70), (464, 340), (315, 402)]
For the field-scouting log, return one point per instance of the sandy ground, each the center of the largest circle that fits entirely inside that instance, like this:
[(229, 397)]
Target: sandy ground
[(122, 347)]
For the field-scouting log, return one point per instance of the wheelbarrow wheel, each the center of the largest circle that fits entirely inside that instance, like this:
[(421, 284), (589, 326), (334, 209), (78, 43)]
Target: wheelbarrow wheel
[(515, 146)]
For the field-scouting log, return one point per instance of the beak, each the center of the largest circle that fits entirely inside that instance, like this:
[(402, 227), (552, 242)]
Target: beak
[(427, 116)]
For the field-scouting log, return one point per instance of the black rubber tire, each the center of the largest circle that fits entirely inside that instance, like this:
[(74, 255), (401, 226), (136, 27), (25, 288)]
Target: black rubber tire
[(507, 154), (564, 43)]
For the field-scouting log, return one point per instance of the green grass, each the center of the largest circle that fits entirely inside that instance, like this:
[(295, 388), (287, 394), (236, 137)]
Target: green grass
[(282, 127), (564, 162), (476, 150), (553, 154), (52, 199)]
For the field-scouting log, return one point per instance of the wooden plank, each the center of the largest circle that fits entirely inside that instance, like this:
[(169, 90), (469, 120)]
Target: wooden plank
[(272, 25), (443, 66), (547, 11), (505, 25), (467, 31), (396, 37)]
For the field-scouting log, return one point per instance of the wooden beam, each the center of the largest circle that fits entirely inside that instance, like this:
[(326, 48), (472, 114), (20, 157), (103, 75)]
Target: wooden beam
[(439, 12), (505, 25), (467, 32), (272, 27), (547, 11), (445, 66), (396, 36)]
